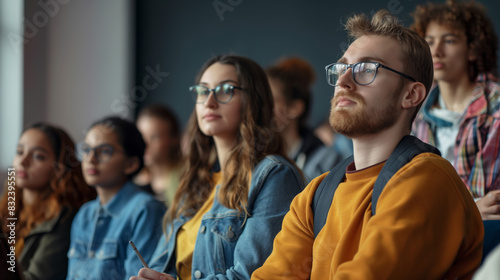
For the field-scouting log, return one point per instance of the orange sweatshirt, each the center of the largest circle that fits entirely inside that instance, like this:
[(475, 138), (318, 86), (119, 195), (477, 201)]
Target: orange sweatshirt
[(427, 226)]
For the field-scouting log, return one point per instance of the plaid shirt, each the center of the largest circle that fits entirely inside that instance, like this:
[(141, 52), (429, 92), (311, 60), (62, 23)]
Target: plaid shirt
[(477, 146)]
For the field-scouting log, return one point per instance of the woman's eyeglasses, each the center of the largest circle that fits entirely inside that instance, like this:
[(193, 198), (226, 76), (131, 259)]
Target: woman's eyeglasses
[(102, 153), (223, 92)]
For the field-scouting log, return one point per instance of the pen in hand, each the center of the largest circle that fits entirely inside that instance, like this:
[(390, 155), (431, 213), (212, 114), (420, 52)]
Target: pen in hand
[(138, 254)]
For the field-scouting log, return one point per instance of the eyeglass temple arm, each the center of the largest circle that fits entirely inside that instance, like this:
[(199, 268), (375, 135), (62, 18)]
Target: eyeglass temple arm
[(397, 72)]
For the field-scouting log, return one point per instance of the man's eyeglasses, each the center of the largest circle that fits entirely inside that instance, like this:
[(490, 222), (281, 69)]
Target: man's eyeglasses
[(102, 153), (363, 73), (223, 93)]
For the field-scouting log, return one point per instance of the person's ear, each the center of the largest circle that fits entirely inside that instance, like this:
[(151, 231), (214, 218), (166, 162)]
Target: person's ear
[(296, 108), (414, 96), (131, 165)]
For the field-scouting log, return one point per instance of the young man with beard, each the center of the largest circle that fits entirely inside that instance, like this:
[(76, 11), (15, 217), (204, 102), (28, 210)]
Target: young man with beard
[(426, 224)]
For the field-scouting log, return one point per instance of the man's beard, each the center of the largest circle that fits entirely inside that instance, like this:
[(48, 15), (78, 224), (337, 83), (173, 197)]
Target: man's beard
[(355, 122)]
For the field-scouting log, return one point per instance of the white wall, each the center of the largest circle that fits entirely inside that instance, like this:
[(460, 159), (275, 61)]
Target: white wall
[(78, 63), (11, 87), (78, 59), (89, 69)]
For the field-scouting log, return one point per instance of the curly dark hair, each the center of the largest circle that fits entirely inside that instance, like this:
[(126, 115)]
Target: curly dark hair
[(470, 17)]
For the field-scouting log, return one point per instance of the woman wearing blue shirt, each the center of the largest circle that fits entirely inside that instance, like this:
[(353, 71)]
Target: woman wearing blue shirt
[(238, 185), (112, 154)]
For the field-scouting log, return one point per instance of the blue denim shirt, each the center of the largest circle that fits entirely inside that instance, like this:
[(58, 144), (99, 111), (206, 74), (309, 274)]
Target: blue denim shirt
[(231, 245), (100, 235)]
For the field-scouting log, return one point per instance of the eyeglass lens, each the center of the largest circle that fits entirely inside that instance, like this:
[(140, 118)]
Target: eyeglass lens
[(223, 93), (363, 72), (102, 153)]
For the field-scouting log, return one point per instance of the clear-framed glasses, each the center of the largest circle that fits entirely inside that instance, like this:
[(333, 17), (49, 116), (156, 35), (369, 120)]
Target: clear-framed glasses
[(363, 73), (223, 92), (102, 153)]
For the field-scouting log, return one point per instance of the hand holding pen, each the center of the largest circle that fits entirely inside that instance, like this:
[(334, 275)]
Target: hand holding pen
[(146, 273)]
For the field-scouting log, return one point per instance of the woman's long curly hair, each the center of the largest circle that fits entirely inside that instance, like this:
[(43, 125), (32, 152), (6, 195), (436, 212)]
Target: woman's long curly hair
[(470, 17), (257, 137), (66, 188)]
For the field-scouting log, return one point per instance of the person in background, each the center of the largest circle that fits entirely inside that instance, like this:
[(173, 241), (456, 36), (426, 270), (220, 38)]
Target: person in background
[(461, 116), (112, 153), (47, 192), (291, 80), (426, 225), (331, 138), (337, 147), (238, 184), (163, 157)]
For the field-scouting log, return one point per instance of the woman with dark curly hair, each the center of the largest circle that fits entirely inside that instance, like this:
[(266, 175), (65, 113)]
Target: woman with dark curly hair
[(462, 113), (49, 190)]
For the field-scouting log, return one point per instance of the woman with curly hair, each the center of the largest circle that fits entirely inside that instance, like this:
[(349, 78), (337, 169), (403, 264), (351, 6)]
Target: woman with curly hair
[(462, 113), (238, 184), (49, 190)]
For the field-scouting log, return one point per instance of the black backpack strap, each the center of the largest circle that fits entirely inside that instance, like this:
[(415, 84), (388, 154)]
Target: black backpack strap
[(323, 196), (406, 150)]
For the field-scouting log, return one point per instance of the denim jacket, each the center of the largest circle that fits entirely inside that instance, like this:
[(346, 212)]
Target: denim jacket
[(231, 245), (99, 247)]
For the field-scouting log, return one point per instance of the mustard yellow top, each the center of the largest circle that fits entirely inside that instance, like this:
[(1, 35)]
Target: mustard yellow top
[(427, 226), (186, 237), (172, 185)]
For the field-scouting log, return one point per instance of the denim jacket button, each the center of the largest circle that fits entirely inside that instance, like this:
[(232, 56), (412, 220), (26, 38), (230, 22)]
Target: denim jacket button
[(229, 234), (91, 254), (197, 274), (202, 229)]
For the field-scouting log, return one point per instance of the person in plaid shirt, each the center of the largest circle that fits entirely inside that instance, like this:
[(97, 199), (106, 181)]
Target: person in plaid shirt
[(461, 115)]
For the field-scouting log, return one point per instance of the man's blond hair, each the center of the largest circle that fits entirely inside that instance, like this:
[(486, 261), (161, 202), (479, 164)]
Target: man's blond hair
[(415, 52)]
